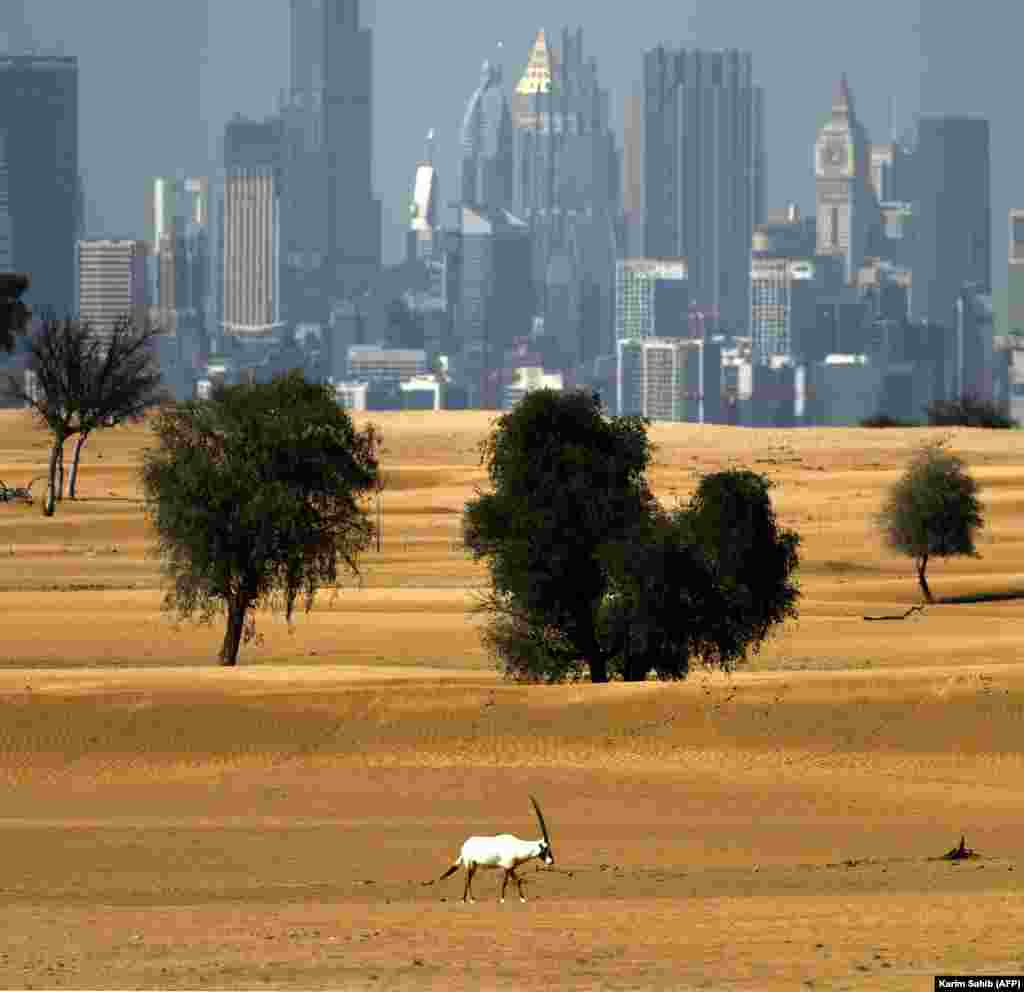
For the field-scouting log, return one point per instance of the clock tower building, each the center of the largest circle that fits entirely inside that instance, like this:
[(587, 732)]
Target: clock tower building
[(847, 210)]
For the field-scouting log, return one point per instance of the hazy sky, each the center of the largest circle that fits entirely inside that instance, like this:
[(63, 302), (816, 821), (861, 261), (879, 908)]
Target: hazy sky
[(158, 80)]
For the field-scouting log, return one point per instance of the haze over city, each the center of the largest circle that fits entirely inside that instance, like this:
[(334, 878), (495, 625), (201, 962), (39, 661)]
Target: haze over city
[(194, 63)]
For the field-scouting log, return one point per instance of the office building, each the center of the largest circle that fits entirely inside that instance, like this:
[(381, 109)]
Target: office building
[(372, 363), (783, 305), (178, 242), (567, 182), (704, 172), (973, 358), (486, 162), (954, 226), (651, 298), (250, 230), (670, 379), (39, 128), (332, 243), (1015, 294), (847, 209), (112, 283), (527, 379), (494, 297)]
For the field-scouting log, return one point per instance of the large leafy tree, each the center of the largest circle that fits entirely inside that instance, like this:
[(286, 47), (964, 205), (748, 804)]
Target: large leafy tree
[(706, 582), (754, 559), (566, 480), (933, 510), (255, 495)]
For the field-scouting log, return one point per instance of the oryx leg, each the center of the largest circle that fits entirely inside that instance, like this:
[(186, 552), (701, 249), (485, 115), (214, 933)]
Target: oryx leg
[(519, 884), (504, 882), (467, 895)]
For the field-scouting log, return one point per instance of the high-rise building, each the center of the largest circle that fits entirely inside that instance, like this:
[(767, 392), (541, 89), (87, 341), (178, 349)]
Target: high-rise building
[(670, 379), (651, 298), (332, 246), (704, 172), (783, 297), (633, 175), (1015, 303), (951, 172), (250, 229), (177, 236), (39, 127), (847, 209), (493, 299), (486, 160), (111, 283), (567, 189), (6, 244)]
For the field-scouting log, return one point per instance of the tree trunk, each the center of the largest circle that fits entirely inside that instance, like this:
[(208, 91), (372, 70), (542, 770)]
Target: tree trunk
[(50, 503), (73, 479), (60, 472), (922, 564), (237, 608)]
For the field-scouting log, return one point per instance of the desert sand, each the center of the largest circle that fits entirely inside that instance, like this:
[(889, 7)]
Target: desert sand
[(170, 824)]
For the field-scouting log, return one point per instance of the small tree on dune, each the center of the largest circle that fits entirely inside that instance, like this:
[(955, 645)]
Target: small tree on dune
[(123, 383), (255, 498), (933, 511)]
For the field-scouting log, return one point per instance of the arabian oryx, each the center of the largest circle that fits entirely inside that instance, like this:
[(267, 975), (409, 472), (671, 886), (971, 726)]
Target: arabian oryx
[(503, 851)]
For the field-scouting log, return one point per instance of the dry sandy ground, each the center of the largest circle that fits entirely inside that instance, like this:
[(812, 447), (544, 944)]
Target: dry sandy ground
[(168, 824)]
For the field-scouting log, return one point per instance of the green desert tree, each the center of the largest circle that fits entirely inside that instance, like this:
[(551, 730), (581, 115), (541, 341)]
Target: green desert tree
[(256, 497), (933, 510), (706, 582), (565, 481), (753, 558)]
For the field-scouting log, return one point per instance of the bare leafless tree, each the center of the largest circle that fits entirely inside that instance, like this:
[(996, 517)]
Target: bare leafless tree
[(123, 384), (78, 381)]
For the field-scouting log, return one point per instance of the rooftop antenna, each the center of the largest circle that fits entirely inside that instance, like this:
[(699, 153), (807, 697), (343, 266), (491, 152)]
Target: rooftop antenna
[(430, 147), (892, 122)]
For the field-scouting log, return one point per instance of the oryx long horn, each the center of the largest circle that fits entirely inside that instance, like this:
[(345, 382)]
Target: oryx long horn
[(540, 819)]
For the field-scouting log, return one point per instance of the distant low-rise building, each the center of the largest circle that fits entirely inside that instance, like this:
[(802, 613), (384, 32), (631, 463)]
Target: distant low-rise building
[(670, 379), (378, 364)]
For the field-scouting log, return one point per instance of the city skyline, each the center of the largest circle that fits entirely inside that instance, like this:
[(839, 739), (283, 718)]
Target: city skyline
[(877, 45)]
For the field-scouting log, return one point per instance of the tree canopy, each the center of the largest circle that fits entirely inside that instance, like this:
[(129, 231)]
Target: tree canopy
[(589, 575), (933, 510), (255, 498), (565, 482)]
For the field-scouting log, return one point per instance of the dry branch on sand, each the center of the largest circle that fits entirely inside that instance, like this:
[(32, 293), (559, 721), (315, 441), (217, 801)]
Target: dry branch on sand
[(913, 609)]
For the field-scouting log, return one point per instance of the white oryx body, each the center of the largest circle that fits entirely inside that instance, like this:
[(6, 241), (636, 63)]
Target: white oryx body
[(503, 851)]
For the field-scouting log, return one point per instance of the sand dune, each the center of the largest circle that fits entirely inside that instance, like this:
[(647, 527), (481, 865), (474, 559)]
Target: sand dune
[(170, 824)]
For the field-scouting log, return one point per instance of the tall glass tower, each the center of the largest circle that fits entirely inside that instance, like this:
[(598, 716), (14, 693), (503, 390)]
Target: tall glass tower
[(332, 224), (39, 135), (704, 172)]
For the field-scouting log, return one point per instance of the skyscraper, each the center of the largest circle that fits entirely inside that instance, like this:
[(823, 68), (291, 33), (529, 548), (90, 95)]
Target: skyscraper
[(332, 224), (250, 228), (954, 222), (39, 132), (486, 161), (704, 172), (567, 181), (1015, 304), (847, 208), (177, 236), (111, 282)]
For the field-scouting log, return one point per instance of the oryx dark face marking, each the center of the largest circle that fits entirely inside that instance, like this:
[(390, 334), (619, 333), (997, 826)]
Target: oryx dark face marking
[(545, 853)]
